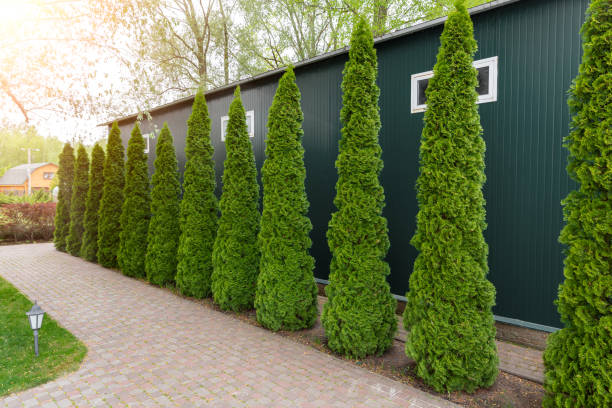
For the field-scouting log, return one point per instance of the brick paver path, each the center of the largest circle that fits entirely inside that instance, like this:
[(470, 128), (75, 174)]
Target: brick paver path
[(148, 347)]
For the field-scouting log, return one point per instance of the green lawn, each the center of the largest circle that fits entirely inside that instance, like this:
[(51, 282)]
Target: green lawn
[(59, 350)]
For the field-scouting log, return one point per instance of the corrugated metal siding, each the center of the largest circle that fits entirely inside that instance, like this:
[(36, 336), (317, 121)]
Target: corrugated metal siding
[(538, 46)]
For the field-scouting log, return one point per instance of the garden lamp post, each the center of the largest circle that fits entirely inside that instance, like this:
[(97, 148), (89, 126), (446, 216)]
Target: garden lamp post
[(35, 315)]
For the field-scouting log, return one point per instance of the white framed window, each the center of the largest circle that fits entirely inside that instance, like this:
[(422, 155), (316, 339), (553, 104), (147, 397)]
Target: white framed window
[(147, 138), (486, 88), (250, 120)]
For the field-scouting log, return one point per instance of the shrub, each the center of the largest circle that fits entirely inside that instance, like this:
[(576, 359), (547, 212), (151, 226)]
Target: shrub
[(235, 252), (359, 318), (163, 237), (65, 174), (448, 310), (77, 203), (136, 209), (199, 207), (25, 221), (578, 358), (89, 247), (286, 296), (37, 196), (109, 225)]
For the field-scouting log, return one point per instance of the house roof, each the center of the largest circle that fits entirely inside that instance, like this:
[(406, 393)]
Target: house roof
[(399, 33), (18, 175)]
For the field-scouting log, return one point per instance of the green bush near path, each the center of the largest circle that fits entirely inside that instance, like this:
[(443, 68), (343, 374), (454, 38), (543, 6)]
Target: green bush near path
[(59, 351)]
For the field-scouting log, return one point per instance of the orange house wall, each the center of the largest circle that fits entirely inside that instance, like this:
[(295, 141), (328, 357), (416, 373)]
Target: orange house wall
[(38, 181)]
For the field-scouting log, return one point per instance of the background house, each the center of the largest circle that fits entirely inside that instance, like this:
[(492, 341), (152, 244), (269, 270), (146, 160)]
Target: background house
[(528, 53), (15, 180)]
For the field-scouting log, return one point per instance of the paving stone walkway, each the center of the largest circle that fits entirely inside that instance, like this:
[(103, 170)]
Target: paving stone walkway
[(150, 348)]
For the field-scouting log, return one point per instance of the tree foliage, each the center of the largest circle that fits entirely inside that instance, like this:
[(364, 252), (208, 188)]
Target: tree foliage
[(65, 173), (359, 318), (199, 207), (578, 358), (286, 296), (448, 311), (136, 210), (235, 251), (164, 230), (89, 247), (13, 138), (77, 203), (109, 225)]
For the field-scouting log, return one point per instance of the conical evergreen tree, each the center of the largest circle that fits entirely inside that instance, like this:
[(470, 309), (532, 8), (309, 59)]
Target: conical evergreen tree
[(109, 225), (65, 174), (199, 207), (235, 252), (359, 318), (578, 358), (89, 247), (286, 296), (164, 232), (136, 209), (448, 311), (77, 203)]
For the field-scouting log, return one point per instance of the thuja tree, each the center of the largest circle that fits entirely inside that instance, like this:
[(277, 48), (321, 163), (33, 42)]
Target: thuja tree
[(163, 237), (448, 311), (199, 207), (136, 209), (286, 296), (236, 252), (112, 200), (359, 318), (89, 247), (80, 186), (65, 174), (578, 358)]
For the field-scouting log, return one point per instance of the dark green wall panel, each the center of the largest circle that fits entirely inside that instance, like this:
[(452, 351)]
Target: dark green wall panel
[(538, 45)]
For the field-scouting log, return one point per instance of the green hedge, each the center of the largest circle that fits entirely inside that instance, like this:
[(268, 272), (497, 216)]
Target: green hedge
[(199, 207), (78, 201), (65, 173), (359, 318), (448, 311), (235, 252), (286, 296)]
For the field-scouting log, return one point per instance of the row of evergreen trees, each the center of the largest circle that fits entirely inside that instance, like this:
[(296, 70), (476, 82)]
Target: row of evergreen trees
[(245, 259)]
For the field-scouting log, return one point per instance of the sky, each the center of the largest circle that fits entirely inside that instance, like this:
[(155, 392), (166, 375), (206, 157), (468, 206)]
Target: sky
[(36, 40)]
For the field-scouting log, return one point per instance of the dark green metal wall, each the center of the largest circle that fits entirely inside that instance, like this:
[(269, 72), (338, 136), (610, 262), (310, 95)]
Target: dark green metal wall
[(539, 50)]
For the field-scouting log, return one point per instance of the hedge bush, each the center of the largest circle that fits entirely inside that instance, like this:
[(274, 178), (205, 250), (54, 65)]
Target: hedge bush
[(109, 225), (27, 221), (578, 358), (286, 296), (235, 252), (199, 206), (164, 233), (80, 186), (65, 173), (359, 318), (89, 247), (448, 310), (136, 210)]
